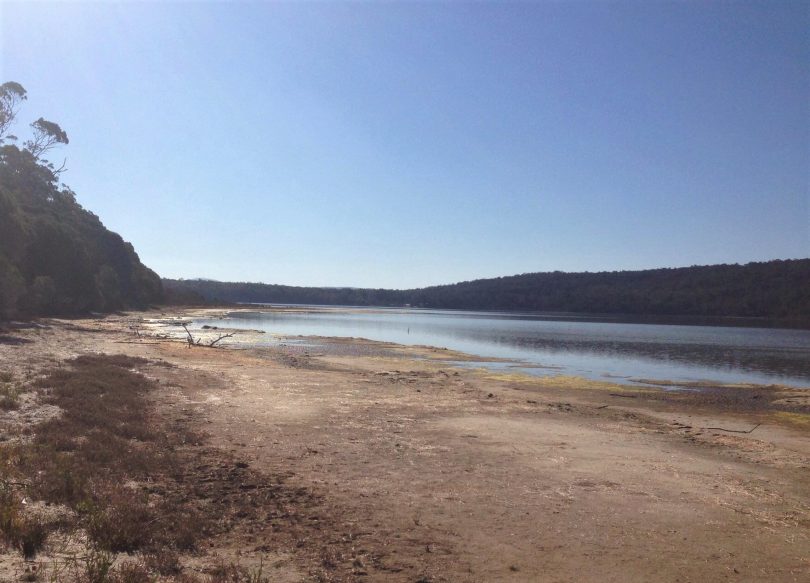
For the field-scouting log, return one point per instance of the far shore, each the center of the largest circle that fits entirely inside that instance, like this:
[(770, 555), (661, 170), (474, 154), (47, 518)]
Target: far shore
[(395, 466), (683, 320)]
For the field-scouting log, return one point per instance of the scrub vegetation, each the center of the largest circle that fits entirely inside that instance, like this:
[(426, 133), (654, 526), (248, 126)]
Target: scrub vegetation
[(89, 460), (112, 489), (116, 475)]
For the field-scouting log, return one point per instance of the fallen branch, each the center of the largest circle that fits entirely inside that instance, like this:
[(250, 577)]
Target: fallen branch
[(732, 430), (623, 396), (198, 342), (222, 337), (190, 337)]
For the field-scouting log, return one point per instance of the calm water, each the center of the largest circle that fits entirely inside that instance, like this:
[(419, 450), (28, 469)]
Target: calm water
[(565, 345)]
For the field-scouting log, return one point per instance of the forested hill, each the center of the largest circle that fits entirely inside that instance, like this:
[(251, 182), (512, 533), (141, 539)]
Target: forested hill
[(774, 289), (55, 256)]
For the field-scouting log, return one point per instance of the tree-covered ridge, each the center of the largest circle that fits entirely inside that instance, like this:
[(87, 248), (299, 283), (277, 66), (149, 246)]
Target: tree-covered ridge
[(773, 289), (55, 256)]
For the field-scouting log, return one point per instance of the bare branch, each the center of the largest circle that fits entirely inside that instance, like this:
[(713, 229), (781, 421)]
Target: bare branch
[(47, 134), (733, 430), (190, 337), (222, 337), (62, 168), (198, 342)]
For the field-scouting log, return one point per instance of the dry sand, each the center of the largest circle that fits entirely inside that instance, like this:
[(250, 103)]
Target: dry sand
[(411, 470)]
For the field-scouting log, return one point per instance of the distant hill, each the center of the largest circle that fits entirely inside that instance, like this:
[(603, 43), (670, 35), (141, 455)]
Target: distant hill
[(773, 289), (55, 256)]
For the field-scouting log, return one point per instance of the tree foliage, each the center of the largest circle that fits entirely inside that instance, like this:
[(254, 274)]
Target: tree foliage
[(46, 135), (11, 95), (55, 256), (773, 289)]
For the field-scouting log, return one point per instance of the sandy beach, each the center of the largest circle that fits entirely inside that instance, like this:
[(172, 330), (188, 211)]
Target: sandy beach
[(366, 461)]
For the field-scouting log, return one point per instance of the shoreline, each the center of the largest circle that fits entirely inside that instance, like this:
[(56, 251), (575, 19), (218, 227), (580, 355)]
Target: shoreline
[(664, 319), (418, 470), (638, 367)]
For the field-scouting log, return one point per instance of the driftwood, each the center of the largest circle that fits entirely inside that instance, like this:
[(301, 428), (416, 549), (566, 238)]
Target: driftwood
[(198, 342), (222, 337), (732, 430), (624, 396), (190, 337)]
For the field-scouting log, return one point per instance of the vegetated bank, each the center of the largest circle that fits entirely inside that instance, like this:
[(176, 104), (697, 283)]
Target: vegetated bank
[(773, 289), (55, 256)]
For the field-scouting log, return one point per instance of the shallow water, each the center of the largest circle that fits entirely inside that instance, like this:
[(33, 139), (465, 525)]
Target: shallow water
[(570, 345)]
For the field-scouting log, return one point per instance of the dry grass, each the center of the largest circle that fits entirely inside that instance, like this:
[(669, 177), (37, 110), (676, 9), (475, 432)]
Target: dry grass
[(97, 567), (9, 392), (100, 566), (24, 533), (132, 480), (801, 420), (87, 459)]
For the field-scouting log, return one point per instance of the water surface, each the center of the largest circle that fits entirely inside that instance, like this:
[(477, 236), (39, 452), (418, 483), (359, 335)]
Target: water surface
[(570, 344)]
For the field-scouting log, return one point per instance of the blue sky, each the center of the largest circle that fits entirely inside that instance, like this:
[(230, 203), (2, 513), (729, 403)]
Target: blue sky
[(407, 144)]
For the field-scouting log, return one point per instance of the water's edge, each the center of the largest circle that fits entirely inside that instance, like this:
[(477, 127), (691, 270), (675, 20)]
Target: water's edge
[(606, 351)]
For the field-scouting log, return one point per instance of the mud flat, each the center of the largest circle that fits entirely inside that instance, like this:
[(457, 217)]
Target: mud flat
[(384, 463)]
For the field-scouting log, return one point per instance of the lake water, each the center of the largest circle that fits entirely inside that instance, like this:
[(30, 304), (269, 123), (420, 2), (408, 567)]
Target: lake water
[(569, 345)]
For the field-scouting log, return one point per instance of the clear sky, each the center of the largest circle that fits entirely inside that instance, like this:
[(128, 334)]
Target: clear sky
[(406, 144)]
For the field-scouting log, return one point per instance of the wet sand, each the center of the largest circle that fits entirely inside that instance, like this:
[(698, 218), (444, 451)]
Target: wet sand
[(415, 470)]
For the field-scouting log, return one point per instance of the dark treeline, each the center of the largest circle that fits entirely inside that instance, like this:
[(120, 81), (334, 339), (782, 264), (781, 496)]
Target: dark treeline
[(773, 289), (227, 292), (55, 256)]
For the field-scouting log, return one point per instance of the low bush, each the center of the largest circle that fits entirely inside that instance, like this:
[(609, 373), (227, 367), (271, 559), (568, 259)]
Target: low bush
[(9, 392), (120, 520), (25, 533), (131, 479), (103, 439)]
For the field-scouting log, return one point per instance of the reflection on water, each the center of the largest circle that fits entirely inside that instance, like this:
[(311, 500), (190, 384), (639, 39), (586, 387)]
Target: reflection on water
[(594, 349)]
